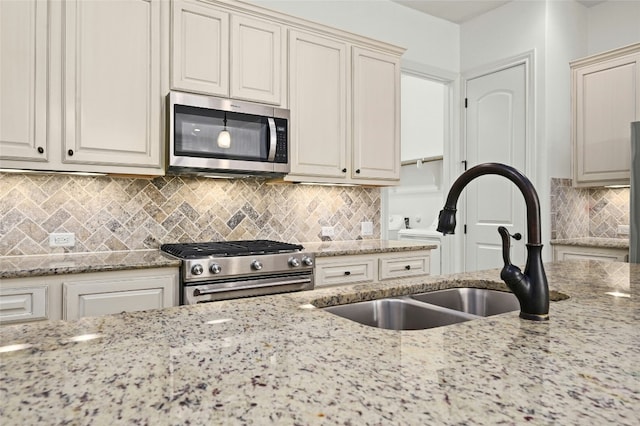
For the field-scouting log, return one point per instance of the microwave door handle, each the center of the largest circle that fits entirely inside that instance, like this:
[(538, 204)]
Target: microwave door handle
[(272, 139)]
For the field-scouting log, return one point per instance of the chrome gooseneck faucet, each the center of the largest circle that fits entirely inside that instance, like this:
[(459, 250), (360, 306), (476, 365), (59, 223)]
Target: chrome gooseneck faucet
[(530, 287)]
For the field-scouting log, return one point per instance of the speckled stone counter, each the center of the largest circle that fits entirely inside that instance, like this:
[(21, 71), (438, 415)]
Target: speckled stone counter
[(55, 264), (272, 360), (343, 248), (593, 242)]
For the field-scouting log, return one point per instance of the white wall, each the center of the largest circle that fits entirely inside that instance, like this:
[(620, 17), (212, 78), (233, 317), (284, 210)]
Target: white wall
[(613, 24), (428, 40)]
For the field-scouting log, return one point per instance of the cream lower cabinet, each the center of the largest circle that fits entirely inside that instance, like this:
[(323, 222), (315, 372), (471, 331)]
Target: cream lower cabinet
[(351, 269), (605, 100), (345, 111), (82, 86), (570, 252), (23, 303), (75, 296)]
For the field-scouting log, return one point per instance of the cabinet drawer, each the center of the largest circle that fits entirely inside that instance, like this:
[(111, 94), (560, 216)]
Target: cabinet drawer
[(23, 304), (94, 298), (345, 272), (404, 267)]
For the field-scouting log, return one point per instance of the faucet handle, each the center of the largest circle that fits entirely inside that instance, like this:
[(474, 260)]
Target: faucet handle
[(506, 244)]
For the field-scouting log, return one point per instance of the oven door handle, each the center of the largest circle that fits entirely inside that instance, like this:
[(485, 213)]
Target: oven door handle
[(273, 139), (210, 289)]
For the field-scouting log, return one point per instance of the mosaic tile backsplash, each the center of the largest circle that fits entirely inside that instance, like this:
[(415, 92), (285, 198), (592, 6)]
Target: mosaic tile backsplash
[(109, 213), (587, 212)]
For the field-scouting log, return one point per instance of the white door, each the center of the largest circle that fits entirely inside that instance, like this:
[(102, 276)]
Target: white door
[(495, 132)]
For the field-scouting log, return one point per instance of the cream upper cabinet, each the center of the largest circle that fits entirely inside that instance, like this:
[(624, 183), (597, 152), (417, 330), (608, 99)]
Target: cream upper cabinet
[(200, 49), (227, 53), (376, 115), (605, 100), (112, 93), (345, 112), (318, 101), (82, 86), (24, 31), (257, 60)]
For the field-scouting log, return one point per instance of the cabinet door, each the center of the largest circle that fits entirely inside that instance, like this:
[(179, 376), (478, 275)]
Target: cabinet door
[(110, 296), (112, 93), (23, 304), (376, 115), (200, 49), (318, 102), (23, 80), (606, 100), (256, 60)]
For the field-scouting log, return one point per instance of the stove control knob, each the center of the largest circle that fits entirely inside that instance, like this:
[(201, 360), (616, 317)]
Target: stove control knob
[(256, 264), (215, 268), (197, 269), (294, 262), (307, 261)]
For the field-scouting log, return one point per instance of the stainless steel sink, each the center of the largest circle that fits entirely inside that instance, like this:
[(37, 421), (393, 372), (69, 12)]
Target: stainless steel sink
[(401, 313), (476, 301), (428, 310)]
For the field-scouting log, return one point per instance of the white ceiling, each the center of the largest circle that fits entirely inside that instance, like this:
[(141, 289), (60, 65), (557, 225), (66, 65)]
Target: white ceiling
[(459, 11)]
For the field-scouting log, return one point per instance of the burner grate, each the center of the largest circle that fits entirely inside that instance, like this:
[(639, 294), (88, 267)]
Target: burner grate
[(228, 248)]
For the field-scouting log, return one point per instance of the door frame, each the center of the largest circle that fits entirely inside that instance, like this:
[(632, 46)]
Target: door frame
[(453, 247), (451, 130)]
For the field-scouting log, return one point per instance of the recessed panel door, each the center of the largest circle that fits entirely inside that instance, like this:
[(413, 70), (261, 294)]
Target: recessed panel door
[(496, 132)]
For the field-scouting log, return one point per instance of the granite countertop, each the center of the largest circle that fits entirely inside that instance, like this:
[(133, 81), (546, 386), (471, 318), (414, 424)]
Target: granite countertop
[(275, 360), (620, 243), (70, 263)]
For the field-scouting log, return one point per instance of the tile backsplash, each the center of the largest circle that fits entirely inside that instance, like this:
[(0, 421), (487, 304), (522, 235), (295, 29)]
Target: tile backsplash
[(587, 212), (113, 213)]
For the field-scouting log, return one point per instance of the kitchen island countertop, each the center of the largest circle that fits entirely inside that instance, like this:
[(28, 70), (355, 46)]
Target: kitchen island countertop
[(277, 360)]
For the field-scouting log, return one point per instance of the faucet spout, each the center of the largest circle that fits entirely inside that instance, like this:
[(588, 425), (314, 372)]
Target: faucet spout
[(531, 287)]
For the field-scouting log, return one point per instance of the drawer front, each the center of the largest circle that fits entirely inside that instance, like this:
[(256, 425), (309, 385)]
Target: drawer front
[(103, 297), (345, 273), (404, 267), (23, 304)]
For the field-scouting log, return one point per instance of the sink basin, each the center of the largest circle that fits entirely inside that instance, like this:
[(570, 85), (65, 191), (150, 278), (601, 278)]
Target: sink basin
[(476, 301), (399, 313)]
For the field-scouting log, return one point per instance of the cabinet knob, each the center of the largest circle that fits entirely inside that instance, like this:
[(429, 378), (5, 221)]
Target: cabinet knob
[(344, 170), (408, 267), (40, 150), (347, 272), (358, 171), (70, 152)]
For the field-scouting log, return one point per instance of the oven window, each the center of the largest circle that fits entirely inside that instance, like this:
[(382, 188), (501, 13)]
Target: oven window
[(197, 134)]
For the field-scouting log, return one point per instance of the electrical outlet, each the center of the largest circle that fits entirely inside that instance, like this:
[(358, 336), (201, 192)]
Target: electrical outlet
[(327, 231), (366, 228), (62, 239), (623, 229)]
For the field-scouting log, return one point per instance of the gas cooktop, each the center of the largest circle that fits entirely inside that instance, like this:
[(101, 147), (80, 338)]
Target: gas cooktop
[(228, 248)]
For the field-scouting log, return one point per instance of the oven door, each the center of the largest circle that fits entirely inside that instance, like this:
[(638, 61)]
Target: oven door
[(233, 288), (220, 135)]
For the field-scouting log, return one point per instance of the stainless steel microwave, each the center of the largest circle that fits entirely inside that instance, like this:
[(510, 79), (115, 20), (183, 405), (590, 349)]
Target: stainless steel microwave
[(224, 137)]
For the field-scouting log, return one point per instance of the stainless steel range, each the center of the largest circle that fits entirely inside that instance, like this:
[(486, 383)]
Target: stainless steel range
[(232, 269)]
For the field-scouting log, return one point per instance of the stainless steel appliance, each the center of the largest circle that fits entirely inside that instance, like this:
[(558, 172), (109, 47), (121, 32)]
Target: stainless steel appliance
[(232, 269), (634, 230), (217, 136)]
